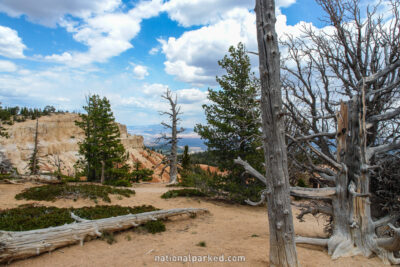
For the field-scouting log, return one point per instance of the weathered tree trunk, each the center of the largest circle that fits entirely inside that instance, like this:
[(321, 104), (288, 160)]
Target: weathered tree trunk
[(281, 230), (172, 158), (354, 231), (173, 169), (19, 245)]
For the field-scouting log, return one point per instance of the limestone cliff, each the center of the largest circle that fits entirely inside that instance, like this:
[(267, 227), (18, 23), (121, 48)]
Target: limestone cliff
[(59, 136)]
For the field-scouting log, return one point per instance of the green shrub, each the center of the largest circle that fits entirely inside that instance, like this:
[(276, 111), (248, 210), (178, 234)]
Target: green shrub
[(108, 237), (154, 226), (104, 211), (301, 183), (7, 176), (202, 244), (30, 217), (122, 183), (53, 192), (183, 193)]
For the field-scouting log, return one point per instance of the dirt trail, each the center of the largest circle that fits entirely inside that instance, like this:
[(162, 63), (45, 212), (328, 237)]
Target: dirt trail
[(230, 230)]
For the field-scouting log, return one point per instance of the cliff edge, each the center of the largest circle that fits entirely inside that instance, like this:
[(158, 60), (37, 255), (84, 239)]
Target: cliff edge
[(59, 137)]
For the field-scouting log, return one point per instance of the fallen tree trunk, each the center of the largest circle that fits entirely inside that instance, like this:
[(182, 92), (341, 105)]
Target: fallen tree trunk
[(19, 245)]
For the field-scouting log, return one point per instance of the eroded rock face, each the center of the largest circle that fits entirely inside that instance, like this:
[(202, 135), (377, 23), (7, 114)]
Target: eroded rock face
[(59, 137)]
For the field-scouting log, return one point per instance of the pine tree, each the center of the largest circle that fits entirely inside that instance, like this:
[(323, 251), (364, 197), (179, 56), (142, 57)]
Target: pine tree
[(233, 118), (101, 148), (34, 159), (185, 158)]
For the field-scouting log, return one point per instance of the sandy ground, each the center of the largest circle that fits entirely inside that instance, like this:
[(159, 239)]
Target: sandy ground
[(229, 230)]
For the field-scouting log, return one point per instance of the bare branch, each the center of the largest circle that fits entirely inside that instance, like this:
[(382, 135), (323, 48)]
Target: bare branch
[(385, 116), (382, 72), (390, 243), (371, 151), (249, 169), (312, 241), (262, 200), (352, 191), (314, 193)]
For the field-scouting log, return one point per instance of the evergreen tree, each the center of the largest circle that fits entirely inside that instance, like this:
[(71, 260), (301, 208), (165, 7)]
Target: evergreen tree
[(34, 159), (186, 158), (102, 149), (233, 126), (233, 118)]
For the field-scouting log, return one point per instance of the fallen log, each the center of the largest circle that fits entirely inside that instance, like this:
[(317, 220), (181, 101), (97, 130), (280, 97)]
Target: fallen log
[(19, 245)]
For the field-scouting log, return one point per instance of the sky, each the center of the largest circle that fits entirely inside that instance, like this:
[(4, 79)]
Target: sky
[(56, 52)]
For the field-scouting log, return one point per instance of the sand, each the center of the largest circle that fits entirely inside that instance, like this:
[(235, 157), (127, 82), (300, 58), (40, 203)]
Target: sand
[(229, 230)]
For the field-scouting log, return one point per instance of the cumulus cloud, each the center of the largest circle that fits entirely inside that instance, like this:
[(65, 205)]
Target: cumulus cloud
[(7, 66), (193, 56), (191, 96), (140, 72), (106, 35), (50, 12), (154, 89), (10, 43), (201, 12)]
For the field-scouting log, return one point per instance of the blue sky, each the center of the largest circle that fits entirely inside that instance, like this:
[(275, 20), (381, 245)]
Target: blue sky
[(57, 51)]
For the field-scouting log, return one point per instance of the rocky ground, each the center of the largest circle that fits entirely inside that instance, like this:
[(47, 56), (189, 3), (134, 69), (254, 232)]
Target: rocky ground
[(228, 230)]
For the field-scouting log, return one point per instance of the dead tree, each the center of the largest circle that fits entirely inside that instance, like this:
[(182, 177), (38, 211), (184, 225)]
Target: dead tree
[(171, 159), (23, 244), (281, 230), (34, 159), (357, 61), (57, 162)]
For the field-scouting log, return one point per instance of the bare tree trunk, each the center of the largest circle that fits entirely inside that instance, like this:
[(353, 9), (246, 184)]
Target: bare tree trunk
[(354, 231), (19, 245), (172, 159), (281, 230)]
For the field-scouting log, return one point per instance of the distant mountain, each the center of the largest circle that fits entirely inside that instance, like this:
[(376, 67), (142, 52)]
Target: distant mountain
[(151, 132)]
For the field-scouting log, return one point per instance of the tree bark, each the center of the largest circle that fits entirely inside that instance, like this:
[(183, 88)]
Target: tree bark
[(19, 245), (281, 230)]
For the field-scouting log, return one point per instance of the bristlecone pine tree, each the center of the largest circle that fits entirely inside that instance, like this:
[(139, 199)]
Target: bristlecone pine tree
[(356, 139), (102, 149), (282, 243)]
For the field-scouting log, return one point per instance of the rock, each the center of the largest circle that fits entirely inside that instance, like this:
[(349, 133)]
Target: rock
[(58, 135)]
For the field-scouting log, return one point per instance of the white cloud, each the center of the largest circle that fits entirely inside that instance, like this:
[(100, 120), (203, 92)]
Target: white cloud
[(154, 89), (154, 50), (202, 12), (140, 72), (50, 12), (191, 96), (10, 43), (7, 66), (106, 35), (193, 56)]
